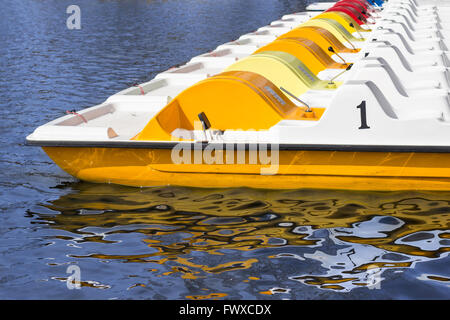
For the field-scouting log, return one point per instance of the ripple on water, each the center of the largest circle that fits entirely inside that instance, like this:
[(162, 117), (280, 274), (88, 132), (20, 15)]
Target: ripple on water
[(180, 243), (297, 246)]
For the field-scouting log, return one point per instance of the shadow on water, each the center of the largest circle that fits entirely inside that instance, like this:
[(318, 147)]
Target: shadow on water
[(279, 244)]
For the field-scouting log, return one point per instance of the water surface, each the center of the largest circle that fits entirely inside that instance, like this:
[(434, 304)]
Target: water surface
[(171, 242)]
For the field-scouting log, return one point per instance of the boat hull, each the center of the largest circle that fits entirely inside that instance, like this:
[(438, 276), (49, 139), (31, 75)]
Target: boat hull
[(289, 169)]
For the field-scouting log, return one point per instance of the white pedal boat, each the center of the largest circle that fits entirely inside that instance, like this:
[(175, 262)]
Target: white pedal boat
[(382, 125)]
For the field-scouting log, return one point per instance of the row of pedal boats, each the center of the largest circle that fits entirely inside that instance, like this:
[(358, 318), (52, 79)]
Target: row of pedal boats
[(352, 97)]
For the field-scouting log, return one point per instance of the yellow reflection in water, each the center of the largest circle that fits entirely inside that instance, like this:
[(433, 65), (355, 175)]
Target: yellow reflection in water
[(214, 221)]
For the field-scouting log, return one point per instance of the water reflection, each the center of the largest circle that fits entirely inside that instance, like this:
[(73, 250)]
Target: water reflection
[(171, 243), (339, 240)]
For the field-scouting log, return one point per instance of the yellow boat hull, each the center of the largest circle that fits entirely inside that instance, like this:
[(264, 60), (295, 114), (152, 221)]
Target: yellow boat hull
[(144, 167)]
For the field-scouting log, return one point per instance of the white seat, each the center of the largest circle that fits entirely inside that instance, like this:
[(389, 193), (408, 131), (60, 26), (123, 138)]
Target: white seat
[(428, 78), (406, 103)]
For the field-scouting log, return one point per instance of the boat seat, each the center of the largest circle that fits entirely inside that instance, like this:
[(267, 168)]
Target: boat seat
[(387, 113), (389, 52), (424, 16), (425, 38), (306, 51), (230, 100), (409, 46), (413, 32), (432, 77), (413, 18), (405, 103), (433, 58), (284, 70), (431, 26), (387, 79)]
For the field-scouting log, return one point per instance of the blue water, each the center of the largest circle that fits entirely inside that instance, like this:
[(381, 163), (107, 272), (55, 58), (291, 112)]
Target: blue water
[(180, 243)]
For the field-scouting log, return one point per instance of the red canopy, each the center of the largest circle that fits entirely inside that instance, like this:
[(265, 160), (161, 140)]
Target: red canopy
[(357, 16)]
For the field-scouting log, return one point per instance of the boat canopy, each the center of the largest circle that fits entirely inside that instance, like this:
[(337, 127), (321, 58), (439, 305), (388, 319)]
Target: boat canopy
[(357, 16), (344, 19), (321, 36), (334, 27), (362, 4), (306, 51), (355, 6), (283, 70), (234, 100), (343, 30)]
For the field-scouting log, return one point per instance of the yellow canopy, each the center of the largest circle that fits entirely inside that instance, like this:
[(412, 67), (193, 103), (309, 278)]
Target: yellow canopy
[(306, 51), (322, 37), (231, 100), (334, 27), (283, 70)]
